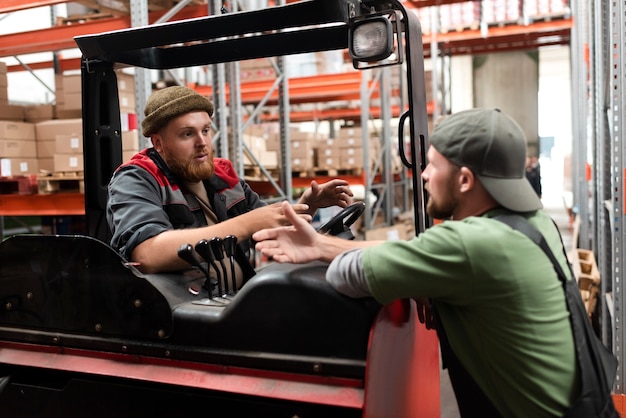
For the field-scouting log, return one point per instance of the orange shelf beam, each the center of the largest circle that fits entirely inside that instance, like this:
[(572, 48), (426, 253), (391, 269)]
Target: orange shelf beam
[(58, 38), (57, 204), (555, 31), (309, 89), (9, 6)]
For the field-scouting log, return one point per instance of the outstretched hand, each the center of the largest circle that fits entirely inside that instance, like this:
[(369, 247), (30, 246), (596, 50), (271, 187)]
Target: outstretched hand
[(332, 193), (289, 244)]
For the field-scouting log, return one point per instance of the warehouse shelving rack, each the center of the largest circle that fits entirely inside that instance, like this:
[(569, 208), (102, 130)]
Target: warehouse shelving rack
[(390, 187)]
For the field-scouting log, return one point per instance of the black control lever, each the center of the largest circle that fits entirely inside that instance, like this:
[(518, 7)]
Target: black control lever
[(187, 253), (204, 249), (216, 246), (230, 242)]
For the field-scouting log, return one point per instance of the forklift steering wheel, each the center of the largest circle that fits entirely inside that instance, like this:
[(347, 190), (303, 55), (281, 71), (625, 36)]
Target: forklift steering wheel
[(338, 227)]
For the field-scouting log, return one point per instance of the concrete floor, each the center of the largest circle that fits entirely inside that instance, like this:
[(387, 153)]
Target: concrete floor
[(553, 204)]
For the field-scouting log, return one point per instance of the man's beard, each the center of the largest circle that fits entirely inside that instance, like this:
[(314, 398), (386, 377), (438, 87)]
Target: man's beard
[(439, 211), (442, 209), (190, 171)]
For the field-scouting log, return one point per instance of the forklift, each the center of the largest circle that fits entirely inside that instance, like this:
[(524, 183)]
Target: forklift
[(84, 333)]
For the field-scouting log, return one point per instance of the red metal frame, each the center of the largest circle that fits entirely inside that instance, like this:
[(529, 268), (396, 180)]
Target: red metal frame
[(402, 372), (263, 383), (42, 204)]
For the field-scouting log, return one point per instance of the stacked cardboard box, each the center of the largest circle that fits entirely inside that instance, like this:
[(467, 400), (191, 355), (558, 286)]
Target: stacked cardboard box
[(256, 138), (259, 69), (502, 11), (60, 145), (13, 113), (349, 141), (302, 149), (459, 16), (327, 154), (130, 144), (18, 152), (541, 9), (38, 113), (68, 96), (126, 92)]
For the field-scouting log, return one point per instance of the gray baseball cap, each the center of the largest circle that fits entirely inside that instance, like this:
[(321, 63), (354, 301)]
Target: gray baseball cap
[(493, 146)]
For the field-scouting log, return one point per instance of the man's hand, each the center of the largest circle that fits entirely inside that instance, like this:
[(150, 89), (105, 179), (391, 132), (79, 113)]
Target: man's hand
[(272, 216), (332, 193), (289, 244), (425, 312)]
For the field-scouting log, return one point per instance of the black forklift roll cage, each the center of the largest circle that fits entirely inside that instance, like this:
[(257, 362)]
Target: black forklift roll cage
[(304, 26)]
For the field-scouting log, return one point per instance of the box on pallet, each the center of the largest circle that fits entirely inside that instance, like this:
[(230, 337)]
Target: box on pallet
[(18, 166), (38, 113), (17, 130), (328, 162), (67, 162), (18, 148), (13, 113), (69, 144), (130, 140), (388, 233), (48, 130), (46, 149)]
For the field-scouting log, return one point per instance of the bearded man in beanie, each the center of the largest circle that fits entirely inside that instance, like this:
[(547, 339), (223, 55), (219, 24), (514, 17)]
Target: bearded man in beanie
[(501, 313), (177, 192)]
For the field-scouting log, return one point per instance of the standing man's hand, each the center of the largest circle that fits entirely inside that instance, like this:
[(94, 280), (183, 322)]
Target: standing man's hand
[(289, 244)]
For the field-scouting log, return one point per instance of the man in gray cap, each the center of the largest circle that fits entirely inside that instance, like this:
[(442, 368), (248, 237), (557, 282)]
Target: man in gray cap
[(501, 312), (176, 192)]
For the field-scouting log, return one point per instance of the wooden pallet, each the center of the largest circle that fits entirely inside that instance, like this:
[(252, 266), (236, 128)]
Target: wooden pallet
[(62, 182), (332, 172), (588, 277), (18, 184), (255, 173)]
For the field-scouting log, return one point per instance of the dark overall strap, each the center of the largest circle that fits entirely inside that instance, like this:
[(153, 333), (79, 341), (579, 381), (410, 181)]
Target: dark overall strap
[(595, 361)]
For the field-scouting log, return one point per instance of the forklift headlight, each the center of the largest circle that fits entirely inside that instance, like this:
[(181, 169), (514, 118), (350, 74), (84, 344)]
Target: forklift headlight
[(371, 40)]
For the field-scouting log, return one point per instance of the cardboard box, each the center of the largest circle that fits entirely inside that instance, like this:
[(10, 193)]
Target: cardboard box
[(328, 162), (12, 148), (38, 113), (46, 164), (46, 149), (18, 166), (70, 101), (128, 121), (48, 130), (72, 84), (3, 67), (125, 82), (389, 233), (127, 101), (11, 113), (68, 162), (127, 155), (302, 163), (69, 144), (67, 113), (130, 141), (17, 130)]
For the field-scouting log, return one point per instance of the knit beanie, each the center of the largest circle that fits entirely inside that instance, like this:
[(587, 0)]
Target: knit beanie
[(165, 104)]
